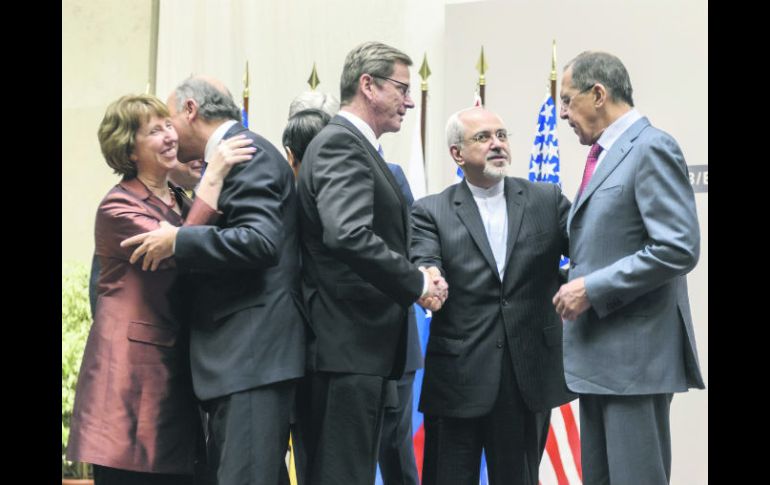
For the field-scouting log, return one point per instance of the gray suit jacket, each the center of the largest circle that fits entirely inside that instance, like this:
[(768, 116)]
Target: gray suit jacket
[(463, 360), (634, 236)]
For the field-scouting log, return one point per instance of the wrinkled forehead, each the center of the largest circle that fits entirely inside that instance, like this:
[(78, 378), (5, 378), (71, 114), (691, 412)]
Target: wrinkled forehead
[(479, 119)]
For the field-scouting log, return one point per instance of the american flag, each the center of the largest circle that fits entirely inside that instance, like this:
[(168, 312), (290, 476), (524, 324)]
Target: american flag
[(544, 158), (561, 461)]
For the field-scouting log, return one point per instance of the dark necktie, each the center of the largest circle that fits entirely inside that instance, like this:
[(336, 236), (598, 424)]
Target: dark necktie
[(593, 157)]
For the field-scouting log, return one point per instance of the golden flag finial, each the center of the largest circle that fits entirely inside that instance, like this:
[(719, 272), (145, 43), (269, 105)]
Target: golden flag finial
[(313, 80), (424, 72), (246, 81), (482, 67)]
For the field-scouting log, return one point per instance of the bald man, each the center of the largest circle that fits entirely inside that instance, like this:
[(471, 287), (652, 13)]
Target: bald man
[(247, 337)]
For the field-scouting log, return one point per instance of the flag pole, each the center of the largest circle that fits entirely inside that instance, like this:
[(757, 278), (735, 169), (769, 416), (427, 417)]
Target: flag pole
[(482, 67), (424, 73), (245, 114), (553, 73), (313, 80)]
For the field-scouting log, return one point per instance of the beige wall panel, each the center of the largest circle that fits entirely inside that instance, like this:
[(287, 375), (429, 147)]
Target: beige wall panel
[(105, 54)]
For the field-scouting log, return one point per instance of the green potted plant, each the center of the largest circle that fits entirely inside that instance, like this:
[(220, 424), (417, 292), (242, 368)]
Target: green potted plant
[(75, 324)]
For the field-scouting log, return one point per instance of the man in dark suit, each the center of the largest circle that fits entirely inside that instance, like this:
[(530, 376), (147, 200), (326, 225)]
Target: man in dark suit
[(357, 280), (247, 345), (494, 355), (396, 460), (628, 335)]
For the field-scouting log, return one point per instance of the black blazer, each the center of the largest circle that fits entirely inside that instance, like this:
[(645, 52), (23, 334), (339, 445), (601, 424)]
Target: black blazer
[(248, 328), (464, 355), (357, 280)]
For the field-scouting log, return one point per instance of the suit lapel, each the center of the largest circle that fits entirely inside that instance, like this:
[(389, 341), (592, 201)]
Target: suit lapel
[(379, 163), (514, 200), (617, 153), (469, 214)]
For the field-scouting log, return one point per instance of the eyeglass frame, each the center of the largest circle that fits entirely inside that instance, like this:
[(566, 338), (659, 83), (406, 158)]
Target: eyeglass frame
[(565, 104), (505, 135), (403, 87)]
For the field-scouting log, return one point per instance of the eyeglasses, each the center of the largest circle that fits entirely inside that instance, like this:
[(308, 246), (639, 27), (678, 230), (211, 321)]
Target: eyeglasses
[(566, 101), (403, 87), (485, 136)]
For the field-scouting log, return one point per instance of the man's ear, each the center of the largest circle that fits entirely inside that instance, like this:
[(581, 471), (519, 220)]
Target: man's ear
[(190, 109), (454, 151), (599, 93), (365, 85)]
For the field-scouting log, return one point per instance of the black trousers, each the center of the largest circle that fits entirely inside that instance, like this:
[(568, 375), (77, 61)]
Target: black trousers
[(508, 434), (346, 420), (114, 476), (248, 434), (397, 464)]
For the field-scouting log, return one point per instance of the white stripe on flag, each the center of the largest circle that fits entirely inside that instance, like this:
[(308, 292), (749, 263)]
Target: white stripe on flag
[(567, 460)]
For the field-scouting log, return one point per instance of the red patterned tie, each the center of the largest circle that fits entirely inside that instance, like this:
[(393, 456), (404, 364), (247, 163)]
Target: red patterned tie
[(593, 157)]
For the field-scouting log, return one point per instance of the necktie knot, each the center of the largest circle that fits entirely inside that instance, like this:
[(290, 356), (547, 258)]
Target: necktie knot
[(381, 152), (593, 157), (594, 152)]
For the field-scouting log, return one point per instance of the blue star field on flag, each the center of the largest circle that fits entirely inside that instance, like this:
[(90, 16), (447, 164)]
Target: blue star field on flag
[(544, 157)]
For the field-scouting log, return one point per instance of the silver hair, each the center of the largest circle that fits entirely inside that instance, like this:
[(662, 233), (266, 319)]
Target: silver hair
[(213, 104), (455, 129), (591, 67), (374, 58), (327, 103)]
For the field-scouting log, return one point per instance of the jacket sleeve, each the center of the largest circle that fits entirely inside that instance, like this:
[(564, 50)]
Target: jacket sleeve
[(252, 230), (344, 185), (426, 245), (120, 217), (666, 203)]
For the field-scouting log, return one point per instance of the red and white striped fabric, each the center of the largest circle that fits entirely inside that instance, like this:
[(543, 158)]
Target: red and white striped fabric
[(561, 461)]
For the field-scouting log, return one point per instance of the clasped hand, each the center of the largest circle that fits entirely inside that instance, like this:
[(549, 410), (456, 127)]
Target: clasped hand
[(438, 290)]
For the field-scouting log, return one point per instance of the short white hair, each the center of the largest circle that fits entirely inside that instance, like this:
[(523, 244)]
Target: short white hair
[(327, 103), (455, 129)]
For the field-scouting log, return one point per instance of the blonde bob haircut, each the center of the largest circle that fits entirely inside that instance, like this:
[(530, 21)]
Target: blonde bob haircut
[(117, 132)]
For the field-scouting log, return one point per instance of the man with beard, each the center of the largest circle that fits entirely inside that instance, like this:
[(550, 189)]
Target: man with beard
[(494, 356)]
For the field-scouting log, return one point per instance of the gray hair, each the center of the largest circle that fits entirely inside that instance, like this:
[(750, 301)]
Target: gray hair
[(374, 58), (327, 103), (213, 104), (591, 67), (455, 129)]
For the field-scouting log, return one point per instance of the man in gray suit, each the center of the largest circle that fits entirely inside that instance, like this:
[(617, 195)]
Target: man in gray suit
[(494, 355), (628, 336)]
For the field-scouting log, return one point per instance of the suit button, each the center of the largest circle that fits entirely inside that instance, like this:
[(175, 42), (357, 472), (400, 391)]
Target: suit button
[(499, 343), (505, 302)]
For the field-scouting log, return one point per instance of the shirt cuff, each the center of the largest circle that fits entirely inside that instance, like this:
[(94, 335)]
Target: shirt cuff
[(425, 283)]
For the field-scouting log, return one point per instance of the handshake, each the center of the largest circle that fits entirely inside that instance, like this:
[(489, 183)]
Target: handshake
[(438, 289)]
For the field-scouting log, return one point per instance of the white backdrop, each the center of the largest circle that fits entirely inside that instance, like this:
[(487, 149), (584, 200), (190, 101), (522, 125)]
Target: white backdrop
[(664, 44)]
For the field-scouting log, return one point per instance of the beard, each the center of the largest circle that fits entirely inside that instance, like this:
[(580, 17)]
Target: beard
[(495, 172)]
